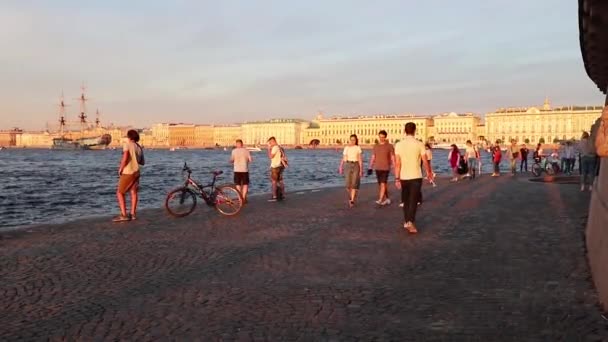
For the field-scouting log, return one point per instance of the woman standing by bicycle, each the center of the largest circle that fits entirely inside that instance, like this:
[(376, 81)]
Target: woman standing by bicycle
[(351, 165), (128, 171)]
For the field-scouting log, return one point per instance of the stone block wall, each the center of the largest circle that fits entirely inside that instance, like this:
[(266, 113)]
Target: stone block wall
[(597, 234)]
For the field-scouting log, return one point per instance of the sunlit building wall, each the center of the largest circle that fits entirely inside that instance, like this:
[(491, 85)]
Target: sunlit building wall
[(452, 128), (226, 135), (337, 130), (535, 124), (203, 135), (286, 131), (182, 135)]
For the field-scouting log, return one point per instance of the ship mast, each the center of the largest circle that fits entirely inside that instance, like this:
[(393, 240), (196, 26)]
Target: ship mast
[(62, 121), (97, 120), (83, 111)]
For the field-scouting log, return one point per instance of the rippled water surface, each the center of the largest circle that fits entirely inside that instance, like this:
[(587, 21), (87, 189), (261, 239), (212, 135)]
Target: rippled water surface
[(49, 186)]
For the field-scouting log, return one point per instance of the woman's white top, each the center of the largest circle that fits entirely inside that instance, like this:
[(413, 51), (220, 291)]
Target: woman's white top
[(352, 153)]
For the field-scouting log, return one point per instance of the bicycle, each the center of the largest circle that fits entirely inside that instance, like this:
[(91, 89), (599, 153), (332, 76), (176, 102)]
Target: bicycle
[(544, 165), (226, 199)]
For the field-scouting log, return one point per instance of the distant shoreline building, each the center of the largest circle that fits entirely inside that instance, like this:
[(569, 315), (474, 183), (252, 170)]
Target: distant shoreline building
[(286, 131), (540, 124), (226, 135), (337, 130), (452, 128), (527, 124)]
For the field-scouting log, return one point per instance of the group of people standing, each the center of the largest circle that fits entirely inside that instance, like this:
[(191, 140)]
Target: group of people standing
[(241, 158)]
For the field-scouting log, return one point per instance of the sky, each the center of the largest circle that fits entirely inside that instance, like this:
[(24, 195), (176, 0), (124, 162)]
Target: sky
[(234, 61)]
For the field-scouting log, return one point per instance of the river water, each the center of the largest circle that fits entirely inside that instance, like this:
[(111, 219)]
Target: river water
[(51, 186)]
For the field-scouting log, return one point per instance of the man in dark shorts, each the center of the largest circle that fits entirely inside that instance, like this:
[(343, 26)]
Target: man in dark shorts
[(241, 159), (383, 158)]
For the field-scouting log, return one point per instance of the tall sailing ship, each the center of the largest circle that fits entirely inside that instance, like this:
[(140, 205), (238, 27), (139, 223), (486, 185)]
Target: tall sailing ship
[(82, 143)]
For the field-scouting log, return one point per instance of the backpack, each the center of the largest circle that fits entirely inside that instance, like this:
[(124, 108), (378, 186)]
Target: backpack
[(141, 160), (284, 160), (462, 166)]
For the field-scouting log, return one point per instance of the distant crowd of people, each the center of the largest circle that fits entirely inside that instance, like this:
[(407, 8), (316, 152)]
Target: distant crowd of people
[(407, 159)]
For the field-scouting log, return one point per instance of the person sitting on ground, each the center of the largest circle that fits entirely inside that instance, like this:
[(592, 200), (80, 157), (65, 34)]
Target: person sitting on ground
[(129, 175)]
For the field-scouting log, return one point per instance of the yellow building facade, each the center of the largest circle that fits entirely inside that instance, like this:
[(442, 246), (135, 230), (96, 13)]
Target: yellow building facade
[(34, 139), (226, 135), (286, 131), (182, 135), (337, 130), (203, 135), (452, 128), (540, 124)]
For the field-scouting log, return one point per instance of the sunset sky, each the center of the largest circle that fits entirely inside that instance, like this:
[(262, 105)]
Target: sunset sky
[(232, 61)]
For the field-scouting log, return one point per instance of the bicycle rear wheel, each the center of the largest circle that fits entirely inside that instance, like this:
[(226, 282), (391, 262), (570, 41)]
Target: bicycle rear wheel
[(180, 202), (550, 170), (228, 200), (536, 170)]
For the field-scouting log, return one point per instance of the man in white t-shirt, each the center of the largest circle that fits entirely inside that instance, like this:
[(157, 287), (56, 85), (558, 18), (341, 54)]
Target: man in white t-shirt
[(408, 175), (275, 154), (241, 158)]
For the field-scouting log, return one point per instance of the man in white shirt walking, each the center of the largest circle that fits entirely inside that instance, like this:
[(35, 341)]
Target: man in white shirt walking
[(408, 175), (277, 165), (241, 158)]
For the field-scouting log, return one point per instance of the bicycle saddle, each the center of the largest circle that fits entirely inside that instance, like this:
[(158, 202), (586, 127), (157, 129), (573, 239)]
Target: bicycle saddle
[(217, 172)]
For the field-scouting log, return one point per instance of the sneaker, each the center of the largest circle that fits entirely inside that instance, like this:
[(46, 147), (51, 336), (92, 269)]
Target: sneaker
[(400, 205), (406, 226), (582, 188), (419, 203), (274, 199), (121, 218), (379, 202), (412, 228), (386, 201), (132, 217)]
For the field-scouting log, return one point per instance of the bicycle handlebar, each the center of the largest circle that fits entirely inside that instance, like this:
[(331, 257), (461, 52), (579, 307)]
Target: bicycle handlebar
[(186, 168)]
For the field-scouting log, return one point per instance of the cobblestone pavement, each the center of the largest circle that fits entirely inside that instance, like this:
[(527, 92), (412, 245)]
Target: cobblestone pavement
[(496, 259)]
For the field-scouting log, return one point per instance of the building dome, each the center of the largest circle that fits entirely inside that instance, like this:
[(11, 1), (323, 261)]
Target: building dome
[(533, 110)]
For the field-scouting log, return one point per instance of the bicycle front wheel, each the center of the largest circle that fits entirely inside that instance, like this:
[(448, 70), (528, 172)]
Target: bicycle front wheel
[(228, 200), (536, 170), (180, 202)]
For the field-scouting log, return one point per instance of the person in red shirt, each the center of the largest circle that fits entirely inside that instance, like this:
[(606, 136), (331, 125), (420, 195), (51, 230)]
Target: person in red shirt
[(496, 157)]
